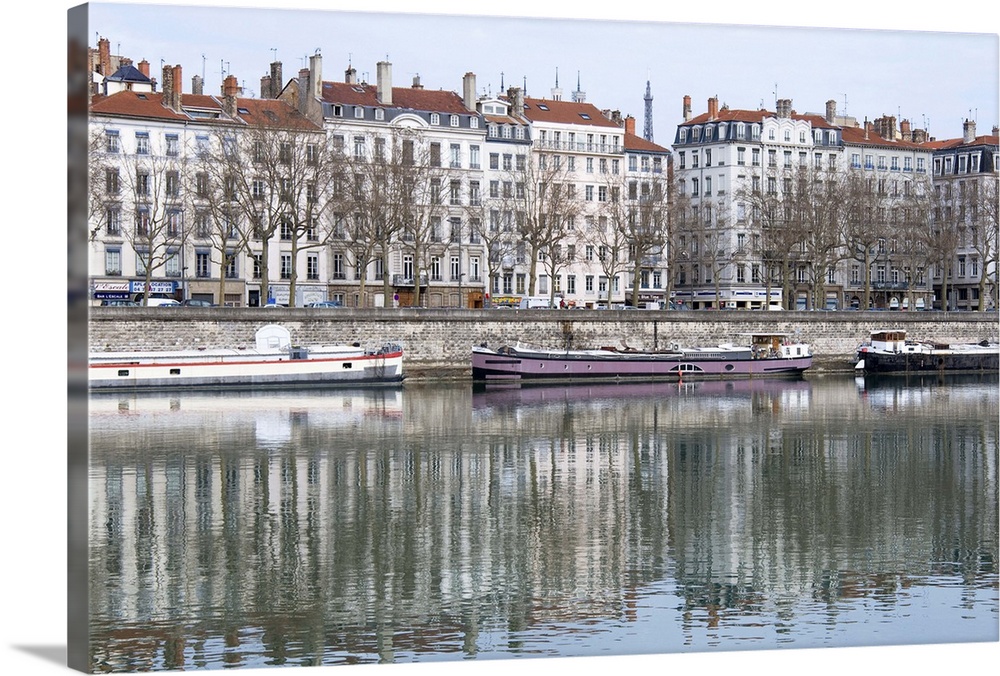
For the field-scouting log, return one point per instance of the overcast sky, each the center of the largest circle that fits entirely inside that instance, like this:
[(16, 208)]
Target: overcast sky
[(934, 79)]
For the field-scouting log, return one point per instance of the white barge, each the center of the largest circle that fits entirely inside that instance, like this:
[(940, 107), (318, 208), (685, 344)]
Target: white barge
[(273, 363)]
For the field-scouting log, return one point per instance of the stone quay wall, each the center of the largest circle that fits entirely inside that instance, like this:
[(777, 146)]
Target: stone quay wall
[(437, 342)]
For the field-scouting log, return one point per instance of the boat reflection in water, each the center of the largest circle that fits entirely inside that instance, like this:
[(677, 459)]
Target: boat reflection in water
[(793, 390), (442, 523)]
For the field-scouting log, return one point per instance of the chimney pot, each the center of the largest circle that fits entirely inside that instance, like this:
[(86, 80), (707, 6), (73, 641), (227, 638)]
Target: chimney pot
[(384, 83)]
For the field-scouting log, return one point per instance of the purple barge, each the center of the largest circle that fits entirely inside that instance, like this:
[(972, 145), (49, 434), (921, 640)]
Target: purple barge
[(762, 354)]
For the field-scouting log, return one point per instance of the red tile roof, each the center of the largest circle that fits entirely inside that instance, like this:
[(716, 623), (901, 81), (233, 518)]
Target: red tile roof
[(438, 101), (958, 142), (639, 144), (859, 136), (731, 115), (565, 112), (272, 112)]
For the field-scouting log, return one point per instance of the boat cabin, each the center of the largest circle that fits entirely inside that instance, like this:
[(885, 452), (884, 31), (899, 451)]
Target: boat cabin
[(776, 345), (892, 340)]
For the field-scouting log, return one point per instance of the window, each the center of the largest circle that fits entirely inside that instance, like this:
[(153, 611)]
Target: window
[(112, 142), (756, 157), (494, 160), (474, 156), (114, 221), (741, 156), (173, 187), (454, 120), (589, 193), (142, 143), (474, 195), (456, 156), (173, 145), (232, 270), (312, 267), (286, 266), (112, 184), (142, 183), (202, 264), (359, 147), (435, 119), (113, 261)]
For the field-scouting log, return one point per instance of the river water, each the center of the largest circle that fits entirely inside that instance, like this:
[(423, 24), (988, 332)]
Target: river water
[(434, 522)]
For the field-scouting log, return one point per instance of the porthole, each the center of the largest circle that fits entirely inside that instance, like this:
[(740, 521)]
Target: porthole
[(729, 367)]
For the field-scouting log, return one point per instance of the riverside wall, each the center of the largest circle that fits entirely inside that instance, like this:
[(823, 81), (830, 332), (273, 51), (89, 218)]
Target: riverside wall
[(437, 342)]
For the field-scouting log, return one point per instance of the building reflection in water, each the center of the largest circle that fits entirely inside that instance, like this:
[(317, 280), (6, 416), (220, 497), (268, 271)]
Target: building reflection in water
[(406, 524)]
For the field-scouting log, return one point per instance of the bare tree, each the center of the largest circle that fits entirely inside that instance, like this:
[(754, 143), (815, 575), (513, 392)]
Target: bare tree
[(544, 203), (866, 222), (777, 242), (151, 185), (983, 208), (493, 227), (270, 179)]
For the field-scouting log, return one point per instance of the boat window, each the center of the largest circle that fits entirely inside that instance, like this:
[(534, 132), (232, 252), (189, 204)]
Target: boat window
[(175, 372), (729, 367), (348, 365), (123, 372)]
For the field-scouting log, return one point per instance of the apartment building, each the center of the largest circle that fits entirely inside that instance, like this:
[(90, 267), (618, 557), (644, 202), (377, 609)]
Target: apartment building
[(764, 219), (965, 175), (157, 217)]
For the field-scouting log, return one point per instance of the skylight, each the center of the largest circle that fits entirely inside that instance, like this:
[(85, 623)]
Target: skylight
[(542, 106), (585, 116)]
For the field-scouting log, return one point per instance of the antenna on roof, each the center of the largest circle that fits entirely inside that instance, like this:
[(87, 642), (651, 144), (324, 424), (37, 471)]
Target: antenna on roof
[(274, 53), (316, 53), (501, 82), (845, 105)]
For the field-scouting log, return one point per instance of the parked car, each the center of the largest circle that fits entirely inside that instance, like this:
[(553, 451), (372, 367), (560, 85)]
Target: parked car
[(274, 305), (119, 303), (324, 303), (197, 302), (162, 302)]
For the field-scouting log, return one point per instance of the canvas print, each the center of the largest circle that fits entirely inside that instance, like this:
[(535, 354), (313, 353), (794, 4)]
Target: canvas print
[(420, 339)]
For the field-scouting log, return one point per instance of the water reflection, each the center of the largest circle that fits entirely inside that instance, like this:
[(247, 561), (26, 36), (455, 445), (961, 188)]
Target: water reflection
[(436, 522)]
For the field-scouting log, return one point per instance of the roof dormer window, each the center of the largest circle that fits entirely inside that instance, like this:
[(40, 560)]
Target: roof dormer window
[(435, 119)]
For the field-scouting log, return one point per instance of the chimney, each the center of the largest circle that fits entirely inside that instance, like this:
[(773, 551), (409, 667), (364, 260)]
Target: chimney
[(197, 85), (265, 88), (416, 82), (905, 131), (168, 87), (316, 75), (469, 90), (384, 83), (516, 97), (351, 75), (831, 111), (304, 89), (230, 87), (784, 108), (919, 135), (996, 130), (178, 87), (104, 56), (144, 67), (969, 131), (713, 108), (276, 80), (630, 125), (687, 108)]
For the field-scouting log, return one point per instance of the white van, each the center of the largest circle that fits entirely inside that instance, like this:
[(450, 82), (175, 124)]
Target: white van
[(530, 302), (161, 302)]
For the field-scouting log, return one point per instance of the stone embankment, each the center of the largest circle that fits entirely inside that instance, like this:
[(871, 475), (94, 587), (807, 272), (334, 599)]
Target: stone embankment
[(438, 341)]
